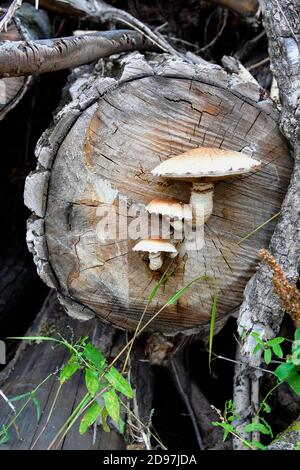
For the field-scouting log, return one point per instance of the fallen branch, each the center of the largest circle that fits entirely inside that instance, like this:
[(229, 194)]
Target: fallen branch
[(100, 11), (262, 310), (10, 14), (198, 407), (48, 55), (288, 439)]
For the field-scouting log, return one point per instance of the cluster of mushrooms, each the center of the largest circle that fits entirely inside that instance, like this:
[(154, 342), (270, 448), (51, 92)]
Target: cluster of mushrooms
[(203, 167)]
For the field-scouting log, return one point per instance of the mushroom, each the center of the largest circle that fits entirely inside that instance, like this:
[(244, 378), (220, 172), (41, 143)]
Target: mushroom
[(176, 210), (203, 167), (155, 247)]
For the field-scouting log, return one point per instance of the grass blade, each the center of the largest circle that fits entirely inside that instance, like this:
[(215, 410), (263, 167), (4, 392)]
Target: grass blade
[(212, 326), (184, 289), (258, 228)]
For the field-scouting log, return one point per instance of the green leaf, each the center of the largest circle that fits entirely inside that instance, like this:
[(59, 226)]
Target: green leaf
[(256, 427), (258, 445), (267, 356), (20, 397), (267, 425), (162, 281), (92, 381), (95, 356), (294, 383), (112, 405), (297, 446), (297, 334), (257, 348), (257, 337), (121, 426), (4, 435), (275, 341), (89, 417), (184, 289), (37, 406), (296, 353), (228, 428), (212, 325), (68, 370), (277, 350), (119, 382), (283, 371), (104, 416), (35, 338), (266, 407)]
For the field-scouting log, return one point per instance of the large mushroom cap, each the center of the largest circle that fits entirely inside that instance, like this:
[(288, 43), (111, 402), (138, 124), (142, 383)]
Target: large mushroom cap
[(170, 207), (206, 162), (154, 245)]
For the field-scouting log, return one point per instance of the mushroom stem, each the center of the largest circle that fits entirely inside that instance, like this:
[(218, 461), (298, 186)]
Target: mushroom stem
[(177, 224), (155, 261), (202, 202)]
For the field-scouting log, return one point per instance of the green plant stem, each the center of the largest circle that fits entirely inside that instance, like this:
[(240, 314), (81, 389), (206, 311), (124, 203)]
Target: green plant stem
[(258, 228), (12, 422), (49, 415), (70, 418)]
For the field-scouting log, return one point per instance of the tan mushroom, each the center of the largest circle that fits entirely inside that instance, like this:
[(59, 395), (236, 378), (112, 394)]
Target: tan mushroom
[(176, 210), (155, 247), (203, 167)]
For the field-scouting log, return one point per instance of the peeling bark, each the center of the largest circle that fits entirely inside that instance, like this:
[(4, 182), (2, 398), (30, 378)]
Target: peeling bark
[(262, 310), (27, 24), (36, 57), (101, 11)]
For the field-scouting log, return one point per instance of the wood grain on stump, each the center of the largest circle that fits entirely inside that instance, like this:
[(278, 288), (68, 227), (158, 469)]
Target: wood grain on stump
[(102, 148)]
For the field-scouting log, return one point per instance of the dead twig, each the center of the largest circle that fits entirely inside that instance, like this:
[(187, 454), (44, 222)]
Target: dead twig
[(10, 14), (49, 55)]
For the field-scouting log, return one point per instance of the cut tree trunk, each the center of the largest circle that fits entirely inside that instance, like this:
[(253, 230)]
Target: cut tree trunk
[(102, 148), (28, 24)]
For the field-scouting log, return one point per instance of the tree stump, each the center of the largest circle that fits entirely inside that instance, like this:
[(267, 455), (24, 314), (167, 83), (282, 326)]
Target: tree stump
[(28, 23), (103, 145)]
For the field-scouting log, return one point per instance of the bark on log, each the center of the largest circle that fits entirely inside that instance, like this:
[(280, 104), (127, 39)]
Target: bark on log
[(262, 310), (101, 11), (105, 143), (36, 57), (28, 24), (288, 439)]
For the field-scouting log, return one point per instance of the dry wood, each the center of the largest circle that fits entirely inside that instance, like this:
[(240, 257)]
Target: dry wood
[(8, 16), (103, 12), (106, 142), (262, 310), (35, 57), (28, 24), (198, 407)]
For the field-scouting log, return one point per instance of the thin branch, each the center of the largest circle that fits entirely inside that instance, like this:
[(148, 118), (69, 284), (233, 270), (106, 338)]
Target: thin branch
[(101, 11), (187, 403), (48, 55), (14, 6)]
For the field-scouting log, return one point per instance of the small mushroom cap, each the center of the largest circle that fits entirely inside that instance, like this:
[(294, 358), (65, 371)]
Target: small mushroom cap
[(170, 207), (206, 162), (154, 245)]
